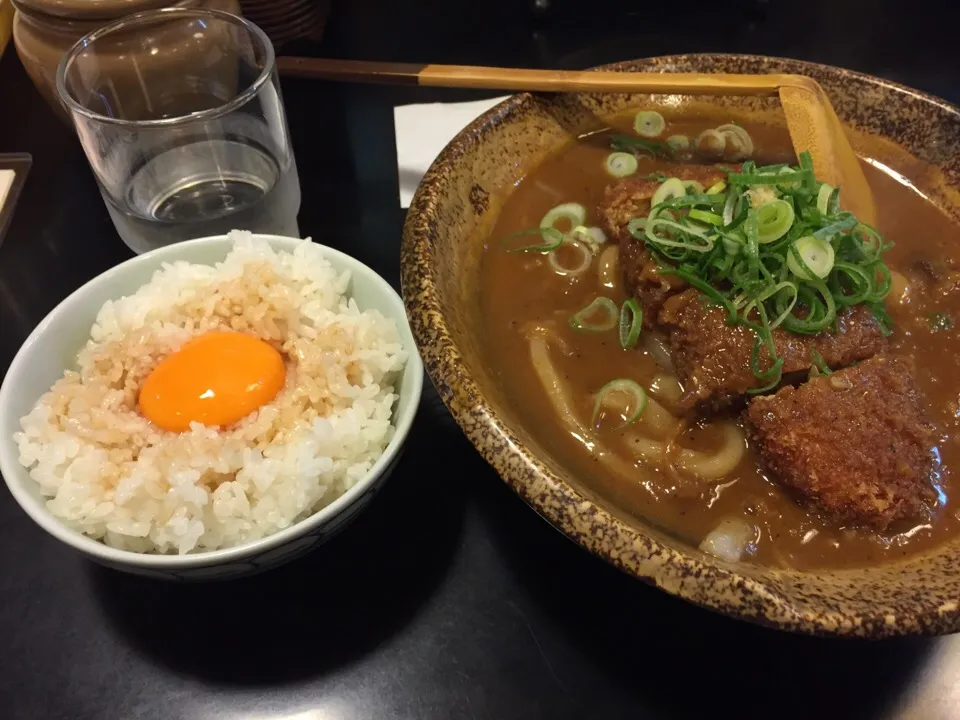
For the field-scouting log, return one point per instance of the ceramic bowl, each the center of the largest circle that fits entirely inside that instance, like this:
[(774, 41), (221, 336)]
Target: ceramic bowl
[(449, 218), (53, 345)]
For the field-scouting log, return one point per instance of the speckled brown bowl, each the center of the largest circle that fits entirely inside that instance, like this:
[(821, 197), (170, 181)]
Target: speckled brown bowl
[(454, 208)]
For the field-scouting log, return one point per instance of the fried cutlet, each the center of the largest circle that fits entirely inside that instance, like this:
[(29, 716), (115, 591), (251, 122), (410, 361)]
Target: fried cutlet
[(629, 199), (857, 445), (712, 358)]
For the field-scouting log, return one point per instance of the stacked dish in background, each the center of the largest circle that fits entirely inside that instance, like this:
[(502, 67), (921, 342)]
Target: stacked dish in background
[(288, 20)]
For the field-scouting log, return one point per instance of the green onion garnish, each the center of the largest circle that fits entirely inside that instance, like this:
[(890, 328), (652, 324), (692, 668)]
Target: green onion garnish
[(582, 252), (772, 248), (668, 190), (550, 239), (781, 178), (573, 213), (620, 164), (705, 216), (824, 198), (649, 124), (810, 257), (631, 323), (599, 316), (819, 363), (737, 137), (774, 218), (636, 398), (653, 148)]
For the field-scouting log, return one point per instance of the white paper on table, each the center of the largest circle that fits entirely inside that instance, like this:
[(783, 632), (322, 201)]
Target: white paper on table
[(422, 131), (6, 182)]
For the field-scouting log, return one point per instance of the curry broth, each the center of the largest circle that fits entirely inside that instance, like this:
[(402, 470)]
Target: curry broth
[(517, 289)]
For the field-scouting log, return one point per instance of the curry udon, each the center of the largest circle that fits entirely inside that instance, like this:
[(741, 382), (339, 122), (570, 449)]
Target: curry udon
[(649, 365)]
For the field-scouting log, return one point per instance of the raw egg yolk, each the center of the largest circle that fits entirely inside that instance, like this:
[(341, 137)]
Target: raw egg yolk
[(216, 379)]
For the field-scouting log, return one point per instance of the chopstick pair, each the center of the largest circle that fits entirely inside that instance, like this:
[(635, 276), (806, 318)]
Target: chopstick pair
[(811, 119)]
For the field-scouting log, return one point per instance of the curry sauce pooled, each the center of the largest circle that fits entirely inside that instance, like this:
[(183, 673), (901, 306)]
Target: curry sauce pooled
[(690, 318)]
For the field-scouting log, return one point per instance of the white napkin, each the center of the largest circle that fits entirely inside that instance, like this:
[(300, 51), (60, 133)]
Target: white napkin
[(423, 131), (6, 182)]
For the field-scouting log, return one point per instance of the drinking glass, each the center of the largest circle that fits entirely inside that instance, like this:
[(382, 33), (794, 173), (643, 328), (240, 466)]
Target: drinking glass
[(180, 115)]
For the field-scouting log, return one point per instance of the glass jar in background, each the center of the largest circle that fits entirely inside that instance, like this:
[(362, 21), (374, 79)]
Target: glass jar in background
[(44, 30), (180, 115)]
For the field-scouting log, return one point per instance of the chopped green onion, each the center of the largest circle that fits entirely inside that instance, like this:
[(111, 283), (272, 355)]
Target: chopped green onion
[(873, 242), (770, 247), (823, 198), (631, 323), (819, 363), (573, 213), (845, 221), (678, 142), (711, 142), (775, 219), (810, 257), (704, 216), (668, 190), (693, 187), (780, 178), (593, 236), (649, 124), (729, 208), (732, 245), (882, 317), (739, 138), (850, 284), (760, 195), (636, 399), (550, 239), (582, 249), (627, 143), (697, 240), (621, 164), (586, 319), (779, 294)]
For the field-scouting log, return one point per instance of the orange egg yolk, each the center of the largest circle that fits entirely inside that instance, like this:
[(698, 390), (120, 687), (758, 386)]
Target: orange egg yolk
[(215, 379)]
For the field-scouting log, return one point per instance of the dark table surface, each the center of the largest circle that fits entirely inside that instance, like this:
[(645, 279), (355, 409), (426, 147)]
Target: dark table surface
[(448, 598)]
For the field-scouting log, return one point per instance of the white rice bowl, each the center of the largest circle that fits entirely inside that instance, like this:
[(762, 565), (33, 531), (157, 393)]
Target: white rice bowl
[(112, 475)]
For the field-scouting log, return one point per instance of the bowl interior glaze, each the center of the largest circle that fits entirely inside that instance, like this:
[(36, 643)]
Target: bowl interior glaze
[(455, 206)]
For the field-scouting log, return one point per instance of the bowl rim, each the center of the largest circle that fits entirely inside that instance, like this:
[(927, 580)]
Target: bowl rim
[(652, 560), (36, 509)]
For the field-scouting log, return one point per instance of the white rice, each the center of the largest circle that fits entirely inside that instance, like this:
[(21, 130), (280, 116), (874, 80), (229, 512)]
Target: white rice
[(116, 477)]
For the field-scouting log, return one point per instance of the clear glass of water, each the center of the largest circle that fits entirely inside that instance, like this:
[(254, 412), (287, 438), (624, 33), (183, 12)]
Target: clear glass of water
[(180, 114)]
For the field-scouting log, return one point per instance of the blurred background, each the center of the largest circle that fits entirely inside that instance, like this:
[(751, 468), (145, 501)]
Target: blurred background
[(549, 33), (579, 33)]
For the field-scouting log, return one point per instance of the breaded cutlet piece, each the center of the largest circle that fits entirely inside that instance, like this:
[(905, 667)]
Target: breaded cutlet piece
[(630, 198), (712, 358), (856, 445)]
